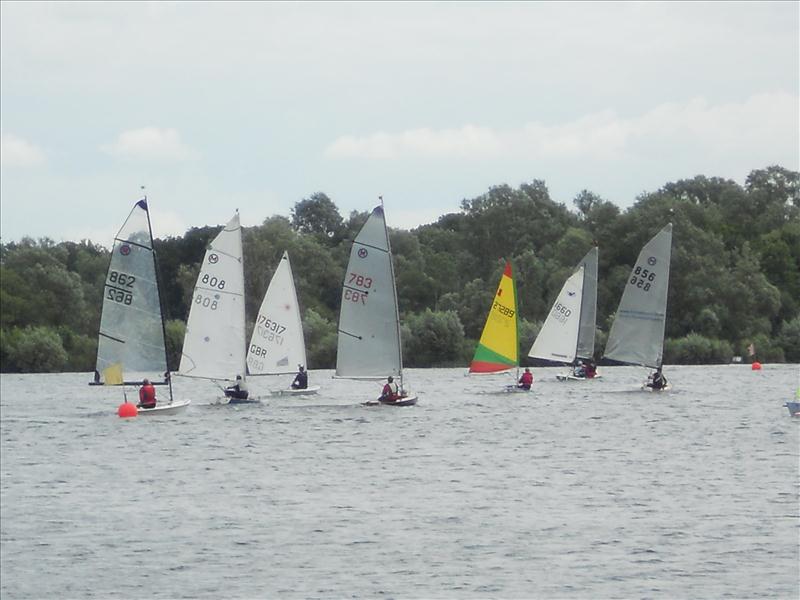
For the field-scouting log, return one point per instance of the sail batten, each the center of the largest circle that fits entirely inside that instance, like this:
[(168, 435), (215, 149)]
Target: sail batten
[(637, 333)]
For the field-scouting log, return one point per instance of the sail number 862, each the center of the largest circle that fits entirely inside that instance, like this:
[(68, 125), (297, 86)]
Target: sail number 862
[(642, 278)]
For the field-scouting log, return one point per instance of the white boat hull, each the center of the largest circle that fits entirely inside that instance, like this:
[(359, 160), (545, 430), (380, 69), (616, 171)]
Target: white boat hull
[(404, 401), (165, 409), (573, 378), (666, 388), (290, 392)]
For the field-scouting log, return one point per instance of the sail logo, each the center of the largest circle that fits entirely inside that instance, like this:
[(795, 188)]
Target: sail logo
[(213, 259), (125, 250), (362, 253), (651, 261)]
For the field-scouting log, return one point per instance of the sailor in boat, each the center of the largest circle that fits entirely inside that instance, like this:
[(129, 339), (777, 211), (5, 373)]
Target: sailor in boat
[(590, 369), (526, 380), (656, 380), (391, 392), (97, 376), (147, 395), (238, 390), (580, 370), (301, 379)]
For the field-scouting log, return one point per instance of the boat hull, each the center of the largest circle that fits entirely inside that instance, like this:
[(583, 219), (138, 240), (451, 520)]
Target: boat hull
[(405, 401), (573, 378), (165, 409), (666, 388), (290, 392), (794, 408)]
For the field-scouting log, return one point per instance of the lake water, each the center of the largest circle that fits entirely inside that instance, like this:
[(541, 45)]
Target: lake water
[(576, 490)]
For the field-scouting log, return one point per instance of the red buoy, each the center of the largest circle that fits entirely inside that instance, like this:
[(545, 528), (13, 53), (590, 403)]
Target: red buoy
[(126, 410), (756, 366)]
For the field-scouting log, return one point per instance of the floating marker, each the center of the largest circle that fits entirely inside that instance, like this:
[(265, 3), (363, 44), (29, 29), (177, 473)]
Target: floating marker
[(126, 410), (756, 366)]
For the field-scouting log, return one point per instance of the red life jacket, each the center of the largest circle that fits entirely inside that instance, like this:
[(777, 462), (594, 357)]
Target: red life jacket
[(527, 378), (147, 396)]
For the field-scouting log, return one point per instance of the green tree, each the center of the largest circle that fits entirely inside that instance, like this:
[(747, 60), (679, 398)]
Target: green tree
[(37, 349), (436, 339)]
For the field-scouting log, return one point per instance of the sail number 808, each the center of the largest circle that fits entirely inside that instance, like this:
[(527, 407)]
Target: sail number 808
[(212, 281), (642, 278)]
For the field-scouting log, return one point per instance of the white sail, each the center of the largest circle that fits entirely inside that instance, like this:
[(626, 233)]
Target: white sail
[(558, 338), (637, 334), (131, 327), (369, 332), (277, 345), (586, 332), (214, 347)]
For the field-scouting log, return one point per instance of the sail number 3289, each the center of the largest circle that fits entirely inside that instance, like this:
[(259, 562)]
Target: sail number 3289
[(642, 278)]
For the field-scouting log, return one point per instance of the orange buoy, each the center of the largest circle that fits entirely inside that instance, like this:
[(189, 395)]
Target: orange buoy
[(756, 366), (126, 410)]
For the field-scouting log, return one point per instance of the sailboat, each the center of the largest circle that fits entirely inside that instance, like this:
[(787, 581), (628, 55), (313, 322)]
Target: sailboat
[(277, 346), (637, 333), (369, 345), (498, 348), (568, 332), (214, 344), (131, 336)]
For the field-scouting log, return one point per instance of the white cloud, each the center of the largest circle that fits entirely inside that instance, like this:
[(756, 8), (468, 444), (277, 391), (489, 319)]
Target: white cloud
[(17, 152), (151, 144), (762, 122)]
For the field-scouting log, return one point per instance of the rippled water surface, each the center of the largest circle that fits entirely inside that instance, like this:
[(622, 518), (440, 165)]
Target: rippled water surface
[(576, 490)]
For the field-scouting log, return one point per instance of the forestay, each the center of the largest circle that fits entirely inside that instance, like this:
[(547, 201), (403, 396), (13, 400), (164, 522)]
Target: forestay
[(558, 338), (131, 328), (277, 345), (586, 331), (214, 345), (369, 332), (637, 334)]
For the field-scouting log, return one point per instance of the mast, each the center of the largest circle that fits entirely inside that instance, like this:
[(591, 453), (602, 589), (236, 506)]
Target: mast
[(160, 299), (396, 304)]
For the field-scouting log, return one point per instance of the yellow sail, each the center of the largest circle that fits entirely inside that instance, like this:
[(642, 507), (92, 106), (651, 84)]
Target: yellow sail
[(498, 349), (113, 375)]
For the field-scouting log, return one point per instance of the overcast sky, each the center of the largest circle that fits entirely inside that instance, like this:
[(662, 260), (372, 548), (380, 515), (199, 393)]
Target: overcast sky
[(256, 106)]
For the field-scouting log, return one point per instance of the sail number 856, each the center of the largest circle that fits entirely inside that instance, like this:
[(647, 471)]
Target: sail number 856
[(642, 278)]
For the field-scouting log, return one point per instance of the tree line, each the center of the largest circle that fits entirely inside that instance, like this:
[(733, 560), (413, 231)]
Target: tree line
[(734, 280)]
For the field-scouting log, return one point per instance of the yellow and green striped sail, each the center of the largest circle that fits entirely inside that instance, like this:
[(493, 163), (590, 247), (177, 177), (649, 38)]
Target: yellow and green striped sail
[(498, 349)]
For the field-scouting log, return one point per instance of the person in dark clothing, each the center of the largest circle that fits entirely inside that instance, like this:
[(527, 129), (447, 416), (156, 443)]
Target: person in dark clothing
[(238, 391), (301, 379), (657, 381)]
